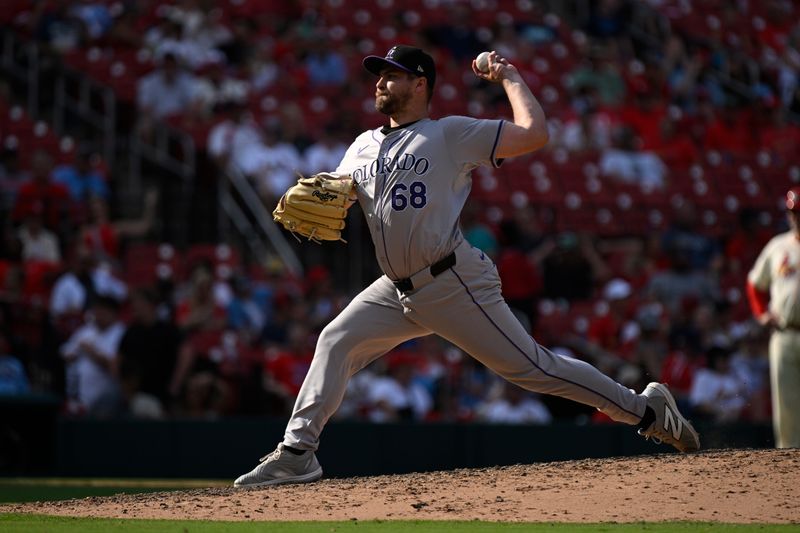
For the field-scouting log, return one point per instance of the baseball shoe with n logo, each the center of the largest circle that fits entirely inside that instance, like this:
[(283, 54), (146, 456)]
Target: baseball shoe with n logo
[(669, 426)]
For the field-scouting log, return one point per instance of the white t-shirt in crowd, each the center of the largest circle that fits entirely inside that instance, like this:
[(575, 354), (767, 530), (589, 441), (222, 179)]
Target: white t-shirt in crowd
[(86, 381)]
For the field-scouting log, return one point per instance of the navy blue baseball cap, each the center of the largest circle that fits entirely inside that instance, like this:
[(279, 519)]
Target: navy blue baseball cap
[(407, 58)]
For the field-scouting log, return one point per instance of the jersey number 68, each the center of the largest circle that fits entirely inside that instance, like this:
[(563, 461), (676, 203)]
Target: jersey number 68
[(414, 194)]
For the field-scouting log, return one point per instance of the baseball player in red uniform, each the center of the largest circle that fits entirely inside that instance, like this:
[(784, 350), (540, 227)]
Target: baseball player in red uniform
[(412, 179), (773, 289)]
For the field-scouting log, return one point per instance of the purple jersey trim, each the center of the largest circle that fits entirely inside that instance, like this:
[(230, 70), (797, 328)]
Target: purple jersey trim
[(379, 208), (497, 162), (520, 350)]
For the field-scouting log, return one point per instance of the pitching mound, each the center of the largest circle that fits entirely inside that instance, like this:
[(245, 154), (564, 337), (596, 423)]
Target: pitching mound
[(721, 486)]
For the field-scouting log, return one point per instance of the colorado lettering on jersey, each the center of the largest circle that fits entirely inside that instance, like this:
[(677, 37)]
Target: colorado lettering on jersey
[(406, 162)]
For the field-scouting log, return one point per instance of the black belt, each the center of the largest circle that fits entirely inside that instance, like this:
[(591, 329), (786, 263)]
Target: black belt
[(405, 284)]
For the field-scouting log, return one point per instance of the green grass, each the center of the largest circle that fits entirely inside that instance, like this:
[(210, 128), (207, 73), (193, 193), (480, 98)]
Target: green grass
[(16, 523)]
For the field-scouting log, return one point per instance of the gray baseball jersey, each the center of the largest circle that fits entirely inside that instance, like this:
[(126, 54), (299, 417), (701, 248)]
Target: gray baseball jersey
[(412, 182)]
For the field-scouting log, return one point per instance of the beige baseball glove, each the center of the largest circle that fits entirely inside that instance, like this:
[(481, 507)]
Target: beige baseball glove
[(316, 207)]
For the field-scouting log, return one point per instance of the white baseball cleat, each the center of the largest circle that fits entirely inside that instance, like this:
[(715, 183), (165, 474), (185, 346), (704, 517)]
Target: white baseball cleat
[(670, 426), (282, 467)]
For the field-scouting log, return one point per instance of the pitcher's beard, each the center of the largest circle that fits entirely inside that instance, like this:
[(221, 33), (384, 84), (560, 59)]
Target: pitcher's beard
[(391, 104)]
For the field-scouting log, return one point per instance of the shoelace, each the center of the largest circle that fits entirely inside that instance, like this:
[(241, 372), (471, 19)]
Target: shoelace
[(650, 436), (274, 454)]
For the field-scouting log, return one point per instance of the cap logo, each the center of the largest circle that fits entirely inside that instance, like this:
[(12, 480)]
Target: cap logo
[(419, 69), (390, 53)]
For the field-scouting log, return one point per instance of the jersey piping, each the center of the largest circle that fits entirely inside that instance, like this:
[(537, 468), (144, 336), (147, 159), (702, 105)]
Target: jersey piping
[(379, 209), (526, 356)]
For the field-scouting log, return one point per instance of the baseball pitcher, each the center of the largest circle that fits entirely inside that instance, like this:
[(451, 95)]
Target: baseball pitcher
[(412, 178)]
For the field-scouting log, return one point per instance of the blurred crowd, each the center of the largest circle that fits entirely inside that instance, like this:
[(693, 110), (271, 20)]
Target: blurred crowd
[(646, 91)]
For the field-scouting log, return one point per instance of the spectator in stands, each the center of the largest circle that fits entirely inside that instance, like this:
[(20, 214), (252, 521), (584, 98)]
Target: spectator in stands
[(744, 78), (163, 31), (597, 72), (95, 18), (83, 179), (789, 66), (794, 105), (588, 127), (165, 92), (107, 281), (286, 366), (513, 405), (745, 242), (614, 328), (206, 395), (476, 231), (327, 151), (750, 364), (247, 310), (717, 393), (168, 39), (682, 69), (685, 237), (276, 164), (293, 126), (519, 260), (644, 112), (624, 163), (729, 133), (236, 140), (396, 396), (149, 348), (674, 147), (323, 301), (608, 19), (13, 378), (573, 268), (200, 34), (74, 288), (38, 243), (243, 41), (679, 368), (41, 192), (85, 280), (325, 65), (103, 236), (11, 176), (124, 32), (214, 90), (262, 69), (53, 25), (780, 138), (201, 321), (679, 284), (651, 347), (354, 404), (458, 36), (91, 356)]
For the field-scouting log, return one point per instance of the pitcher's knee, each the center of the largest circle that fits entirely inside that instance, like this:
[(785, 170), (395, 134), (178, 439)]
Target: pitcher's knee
[(334, 344), (343, 349)]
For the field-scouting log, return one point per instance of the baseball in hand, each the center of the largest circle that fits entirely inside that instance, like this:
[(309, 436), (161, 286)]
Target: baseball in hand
[(482, 62)]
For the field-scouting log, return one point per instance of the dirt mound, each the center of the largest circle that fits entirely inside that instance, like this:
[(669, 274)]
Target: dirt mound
[(720, 486)]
